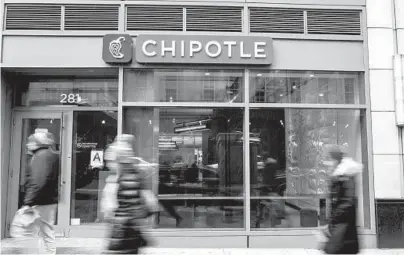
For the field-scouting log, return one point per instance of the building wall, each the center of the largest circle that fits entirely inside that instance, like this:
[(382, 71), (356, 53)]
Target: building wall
[(5, 131), (385, 22), (382, 44), (42, 50)]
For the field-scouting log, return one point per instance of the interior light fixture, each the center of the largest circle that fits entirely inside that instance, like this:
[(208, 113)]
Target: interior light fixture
[(103, 121), (193, 123), (207, 74), (168, 147), (321, 94), (202, 127), (259, 74)]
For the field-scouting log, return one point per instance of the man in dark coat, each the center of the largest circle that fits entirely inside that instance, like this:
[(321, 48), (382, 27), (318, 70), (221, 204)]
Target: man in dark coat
[(42, 186), (342, 228)]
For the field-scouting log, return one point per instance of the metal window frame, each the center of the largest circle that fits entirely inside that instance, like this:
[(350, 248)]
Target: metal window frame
[(247, 106)]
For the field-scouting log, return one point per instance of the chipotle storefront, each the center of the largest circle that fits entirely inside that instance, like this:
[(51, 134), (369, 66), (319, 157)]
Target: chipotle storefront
[(233, 126)]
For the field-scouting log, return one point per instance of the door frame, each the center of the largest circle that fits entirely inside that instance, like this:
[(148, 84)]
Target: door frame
[(66, 128)]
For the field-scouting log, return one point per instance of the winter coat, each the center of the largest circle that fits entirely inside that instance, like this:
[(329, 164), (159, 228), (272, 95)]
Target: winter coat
[(342, 227), (42, 178), (125, 236)]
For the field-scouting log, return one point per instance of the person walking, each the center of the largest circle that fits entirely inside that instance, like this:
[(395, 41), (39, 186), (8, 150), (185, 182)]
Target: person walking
[(125, 236), (42, 186), (341, 233)]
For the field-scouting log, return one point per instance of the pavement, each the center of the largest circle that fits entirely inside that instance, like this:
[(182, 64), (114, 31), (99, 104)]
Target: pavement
[(95, 246)]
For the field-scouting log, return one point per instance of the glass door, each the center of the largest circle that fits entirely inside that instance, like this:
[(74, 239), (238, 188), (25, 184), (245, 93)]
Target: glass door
[(25, 124)]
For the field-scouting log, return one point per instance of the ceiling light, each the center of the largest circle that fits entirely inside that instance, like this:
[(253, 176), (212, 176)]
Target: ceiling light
[(259, 74), (103, 122), (207, 74), (321, 94)]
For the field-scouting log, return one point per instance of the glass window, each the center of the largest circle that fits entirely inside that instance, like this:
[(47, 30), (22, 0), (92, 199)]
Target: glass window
[(183, 86), (83, 92), (92, 132), (289, 175), (199, 153), (306, 87)]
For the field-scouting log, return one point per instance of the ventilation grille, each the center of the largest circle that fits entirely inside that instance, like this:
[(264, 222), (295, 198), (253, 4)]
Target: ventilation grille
[(346, 22), (156, 18), (91, 17), (33, 17), (276, 20), (222, 19)]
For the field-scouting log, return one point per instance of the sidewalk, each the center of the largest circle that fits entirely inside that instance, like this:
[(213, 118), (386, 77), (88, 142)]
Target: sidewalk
[(95, 246)]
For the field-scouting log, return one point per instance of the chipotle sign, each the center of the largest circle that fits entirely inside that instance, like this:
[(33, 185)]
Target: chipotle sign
[(191, 49)]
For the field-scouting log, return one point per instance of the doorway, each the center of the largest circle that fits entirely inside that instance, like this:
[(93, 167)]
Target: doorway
[(80, 140)]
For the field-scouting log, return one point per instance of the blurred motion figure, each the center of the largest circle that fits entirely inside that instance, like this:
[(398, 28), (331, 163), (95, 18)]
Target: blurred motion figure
[(42, 186), (341, 232), (122, 201)]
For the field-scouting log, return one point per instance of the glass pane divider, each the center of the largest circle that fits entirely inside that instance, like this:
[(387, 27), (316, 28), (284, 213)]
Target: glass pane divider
[(120, 99), (308, 106), (164, 197), (63, 108), (288, 198), (184, 104), (247, 182)]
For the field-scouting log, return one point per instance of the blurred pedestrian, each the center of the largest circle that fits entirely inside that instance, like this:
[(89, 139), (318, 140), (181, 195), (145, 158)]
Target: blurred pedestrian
[(41, 195), (128, 217), (341, 233)]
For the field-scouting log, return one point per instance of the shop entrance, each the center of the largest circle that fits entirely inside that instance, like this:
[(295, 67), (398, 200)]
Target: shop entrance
[(81, 138)]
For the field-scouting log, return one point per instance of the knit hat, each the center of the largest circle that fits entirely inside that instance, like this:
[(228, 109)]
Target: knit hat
[(41, 139), (121, 150)]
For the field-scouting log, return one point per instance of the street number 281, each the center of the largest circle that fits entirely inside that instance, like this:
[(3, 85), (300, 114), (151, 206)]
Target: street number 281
[(69, 98)]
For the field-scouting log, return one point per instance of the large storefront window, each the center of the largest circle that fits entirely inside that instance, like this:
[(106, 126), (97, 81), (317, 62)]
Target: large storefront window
[(306, 87), (183, 86), (199, 153), (288, 175)]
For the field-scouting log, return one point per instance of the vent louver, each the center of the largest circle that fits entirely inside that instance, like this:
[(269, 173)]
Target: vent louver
[(214, 18), (91, 17), (155, 18), (345, 22), (276, 20), (33, 17)]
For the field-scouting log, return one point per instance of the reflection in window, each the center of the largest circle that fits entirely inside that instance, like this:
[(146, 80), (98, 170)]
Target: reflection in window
[(310, 88), (200, 163), (288, 176), (92, 133), (183, 86), (91, 92)]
